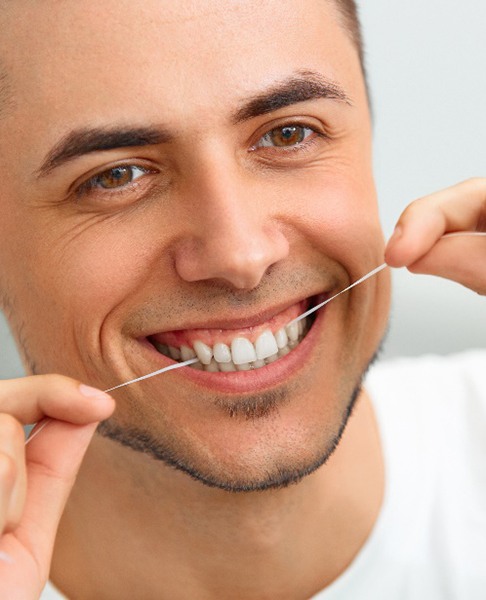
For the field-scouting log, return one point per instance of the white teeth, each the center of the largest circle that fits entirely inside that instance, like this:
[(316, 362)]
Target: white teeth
[(265, 345), (242, 355), (281, 338), (242, 351), (204, 352), (187, 353), (227, 367), (175, 353), (222, 353), (293, 331)]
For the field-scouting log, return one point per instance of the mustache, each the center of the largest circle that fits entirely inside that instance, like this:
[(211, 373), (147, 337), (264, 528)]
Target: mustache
[(213, 296)]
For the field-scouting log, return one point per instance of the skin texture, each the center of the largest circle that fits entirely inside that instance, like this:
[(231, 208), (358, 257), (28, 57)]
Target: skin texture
[(219, 228), (190, 242)]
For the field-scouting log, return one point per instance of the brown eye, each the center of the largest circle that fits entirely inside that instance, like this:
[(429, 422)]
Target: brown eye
[(285, 137), (114, 178)]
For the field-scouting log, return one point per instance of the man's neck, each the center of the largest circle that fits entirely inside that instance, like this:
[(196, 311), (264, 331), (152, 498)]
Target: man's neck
[(133, 528)]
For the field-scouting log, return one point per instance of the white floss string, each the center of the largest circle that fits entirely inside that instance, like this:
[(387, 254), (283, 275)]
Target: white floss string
[(364, 278), (374, 272), (192, 361), (159, 372)]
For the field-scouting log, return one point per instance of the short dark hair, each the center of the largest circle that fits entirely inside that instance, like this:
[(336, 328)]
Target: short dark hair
[(348, 11)]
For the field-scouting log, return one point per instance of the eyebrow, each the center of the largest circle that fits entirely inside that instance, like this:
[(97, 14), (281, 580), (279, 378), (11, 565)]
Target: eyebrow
[(303, 86), (86, 140)]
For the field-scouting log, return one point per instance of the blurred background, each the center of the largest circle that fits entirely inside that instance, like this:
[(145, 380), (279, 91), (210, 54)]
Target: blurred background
[(427, 70)]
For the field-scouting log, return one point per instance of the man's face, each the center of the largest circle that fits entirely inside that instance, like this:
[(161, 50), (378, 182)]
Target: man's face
[(182, 172)]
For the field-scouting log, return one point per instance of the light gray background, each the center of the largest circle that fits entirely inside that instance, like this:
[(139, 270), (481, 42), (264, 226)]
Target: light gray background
[(427, 67)]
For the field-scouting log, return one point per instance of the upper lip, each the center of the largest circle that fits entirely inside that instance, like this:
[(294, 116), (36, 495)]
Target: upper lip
[(244, 322)]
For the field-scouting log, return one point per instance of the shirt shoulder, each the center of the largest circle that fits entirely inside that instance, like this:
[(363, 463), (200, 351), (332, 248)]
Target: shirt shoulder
[(431, 532), (437, 396)]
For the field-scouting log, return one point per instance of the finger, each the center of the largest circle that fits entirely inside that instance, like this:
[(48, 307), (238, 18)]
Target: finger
[(459, 208), (12, 446), (53, 460), (461, 259), (7, 482), (29, 399)]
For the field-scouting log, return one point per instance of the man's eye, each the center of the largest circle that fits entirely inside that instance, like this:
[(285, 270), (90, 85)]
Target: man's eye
[(285, 137), (113, 179)]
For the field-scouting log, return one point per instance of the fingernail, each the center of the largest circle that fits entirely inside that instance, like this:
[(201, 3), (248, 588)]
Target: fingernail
[(91, 392)]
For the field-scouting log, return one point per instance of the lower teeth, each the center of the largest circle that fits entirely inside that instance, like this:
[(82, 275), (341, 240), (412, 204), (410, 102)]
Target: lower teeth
[(215, 367)]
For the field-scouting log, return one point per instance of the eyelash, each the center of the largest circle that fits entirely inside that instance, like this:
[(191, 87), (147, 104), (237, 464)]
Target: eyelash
[(297, 147), (92, 185)]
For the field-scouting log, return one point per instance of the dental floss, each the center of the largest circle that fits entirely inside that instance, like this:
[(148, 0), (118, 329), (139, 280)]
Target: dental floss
[(160, 371), (374, 272), (40, 427), (169, 368), (299, 318), (364, 278)]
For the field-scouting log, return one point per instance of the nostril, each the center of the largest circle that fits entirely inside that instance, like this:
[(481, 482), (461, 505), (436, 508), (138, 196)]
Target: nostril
[(241, 262)]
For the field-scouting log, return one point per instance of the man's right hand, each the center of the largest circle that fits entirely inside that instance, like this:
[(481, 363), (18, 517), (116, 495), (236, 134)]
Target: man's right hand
[(35, 480)]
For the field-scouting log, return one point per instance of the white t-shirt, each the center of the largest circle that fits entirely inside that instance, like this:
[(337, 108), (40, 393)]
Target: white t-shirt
[(429, 542)]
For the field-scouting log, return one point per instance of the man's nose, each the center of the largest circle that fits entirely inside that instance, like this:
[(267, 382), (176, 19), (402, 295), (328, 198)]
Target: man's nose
[(233, 236)]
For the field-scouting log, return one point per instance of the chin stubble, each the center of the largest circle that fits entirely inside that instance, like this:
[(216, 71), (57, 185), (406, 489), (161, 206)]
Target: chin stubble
[(255, 408)]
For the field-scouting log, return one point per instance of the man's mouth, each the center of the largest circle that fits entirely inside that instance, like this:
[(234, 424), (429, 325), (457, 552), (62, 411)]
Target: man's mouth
[(229, 350)]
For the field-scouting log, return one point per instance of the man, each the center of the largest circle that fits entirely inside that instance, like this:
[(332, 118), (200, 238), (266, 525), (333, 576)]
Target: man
[(186, 178)]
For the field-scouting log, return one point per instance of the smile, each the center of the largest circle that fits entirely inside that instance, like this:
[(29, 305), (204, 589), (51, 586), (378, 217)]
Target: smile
[(236, 350)]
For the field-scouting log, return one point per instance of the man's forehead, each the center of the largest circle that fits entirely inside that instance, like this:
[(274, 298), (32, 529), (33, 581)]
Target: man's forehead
[(110, 63), (71, 29)]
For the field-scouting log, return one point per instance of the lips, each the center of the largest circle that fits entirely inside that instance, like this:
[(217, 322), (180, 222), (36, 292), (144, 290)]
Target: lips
[(232, 350)]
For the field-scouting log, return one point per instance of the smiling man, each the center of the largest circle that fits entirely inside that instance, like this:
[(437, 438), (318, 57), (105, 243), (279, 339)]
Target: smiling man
[(182, 180)]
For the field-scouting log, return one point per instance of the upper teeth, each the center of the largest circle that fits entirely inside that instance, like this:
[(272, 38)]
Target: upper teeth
[(243, 354)]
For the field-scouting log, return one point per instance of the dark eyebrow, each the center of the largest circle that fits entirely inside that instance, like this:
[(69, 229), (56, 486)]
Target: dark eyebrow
[(304, 85), (86, 140)]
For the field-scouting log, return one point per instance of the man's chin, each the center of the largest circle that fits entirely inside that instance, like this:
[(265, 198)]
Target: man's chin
[(278, 472)]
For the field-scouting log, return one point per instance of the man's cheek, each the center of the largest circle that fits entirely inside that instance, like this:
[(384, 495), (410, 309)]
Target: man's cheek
[(101, 265), (339, 219)]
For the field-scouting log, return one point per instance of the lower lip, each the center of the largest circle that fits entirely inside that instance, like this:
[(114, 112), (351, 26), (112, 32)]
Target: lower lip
[(256, 379)]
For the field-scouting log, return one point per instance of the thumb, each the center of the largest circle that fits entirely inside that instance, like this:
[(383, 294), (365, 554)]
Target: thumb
[(53, 459)]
